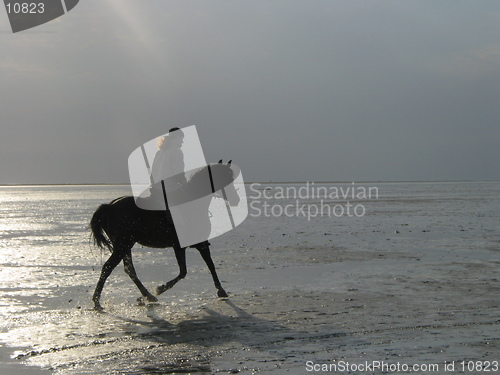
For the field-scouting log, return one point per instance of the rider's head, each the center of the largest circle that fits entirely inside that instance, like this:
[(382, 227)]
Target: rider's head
[(174, 138)]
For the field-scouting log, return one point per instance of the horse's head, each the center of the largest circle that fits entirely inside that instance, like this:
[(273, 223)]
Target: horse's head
[(223, 176)]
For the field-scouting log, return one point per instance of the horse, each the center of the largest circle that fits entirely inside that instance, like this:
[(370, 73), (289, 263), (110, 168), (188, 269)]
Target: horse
[(120, 224)]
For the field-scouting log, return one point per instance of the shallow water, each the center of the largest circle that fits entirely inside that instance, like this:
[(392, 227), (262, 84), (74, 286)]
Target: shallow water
[(302, 286)]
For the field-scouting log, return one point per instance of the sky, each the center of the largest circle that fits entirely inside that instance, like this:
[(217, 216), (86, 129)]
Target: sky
[(309, 90)]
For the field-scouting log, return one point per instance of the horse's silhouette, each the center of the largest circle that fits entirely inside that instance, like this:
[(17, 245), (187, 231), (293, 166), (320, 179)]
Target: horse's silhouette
[(120, 224)]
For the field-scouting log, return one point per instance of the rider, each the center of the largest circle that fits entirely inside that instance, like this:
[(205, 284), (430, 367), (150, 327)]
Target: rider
[(167, 172)]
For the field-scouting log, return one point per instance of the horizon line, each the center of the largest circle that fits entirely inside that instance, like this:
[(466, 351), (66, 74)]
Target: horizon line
[(251, 182)]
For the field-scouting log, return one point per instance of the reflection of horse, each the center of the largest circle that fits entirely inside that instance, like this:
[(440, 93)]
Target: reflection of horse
[(120, 224)]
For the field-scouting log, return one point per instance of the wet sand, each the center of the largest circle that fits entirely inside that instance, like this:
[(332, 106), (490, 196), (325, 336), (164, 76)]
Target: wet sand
[(411, 307), (392, 289)]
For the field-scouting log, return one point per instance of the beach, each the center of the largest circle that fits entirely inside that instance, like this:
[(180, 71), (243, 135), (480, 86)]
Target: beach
[(410, 283)]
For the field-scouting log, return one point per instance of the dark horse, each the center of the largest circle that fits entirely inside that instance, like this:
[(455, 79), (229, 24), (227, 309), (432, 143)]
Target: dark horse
[(120, 224)]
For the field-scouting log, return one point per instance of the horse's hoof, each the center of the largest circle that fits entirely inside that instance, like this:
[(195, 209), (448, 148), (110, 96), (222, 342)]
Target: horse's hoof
[(161, 289), (152, 298), (222, 294), (98, 308)]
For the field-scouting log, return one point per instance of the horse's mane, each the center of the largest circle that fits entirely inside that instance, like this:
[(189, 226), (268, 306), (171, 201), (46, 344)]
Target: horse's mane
[(217, 168)]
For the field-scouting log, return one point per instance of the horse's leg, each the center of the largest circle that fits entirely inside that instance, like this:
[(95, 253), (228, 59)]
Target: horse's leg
[(130, 270), (204, 250), (107, 268), (180, 254)]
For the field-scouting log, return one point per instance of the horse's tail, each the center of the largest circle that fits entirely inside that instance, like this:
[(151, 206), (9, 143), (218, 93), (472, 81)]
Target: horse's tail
[(98, 225)]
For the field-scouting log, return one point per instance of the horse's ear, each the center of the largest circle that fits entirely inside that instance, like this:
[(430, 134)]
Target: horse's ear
[(220, 161), (229, 162)]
